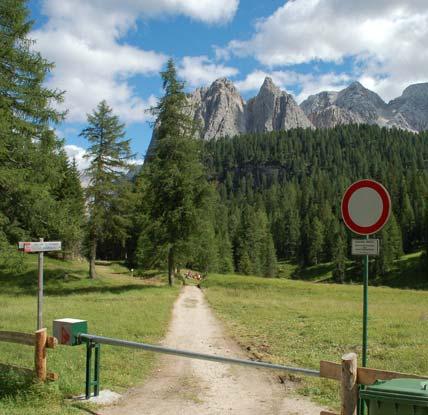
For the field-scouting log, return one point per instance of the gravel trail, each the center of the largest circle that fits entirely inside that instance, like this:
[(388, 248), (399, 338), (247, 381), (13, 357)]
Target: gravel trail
[(181, 386)]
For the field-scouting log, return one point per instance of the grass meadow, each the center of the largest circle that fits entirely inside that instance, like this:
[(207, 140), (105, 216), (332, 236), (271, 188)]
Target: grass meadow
[(115, 305), (300, 323), (280, 320)]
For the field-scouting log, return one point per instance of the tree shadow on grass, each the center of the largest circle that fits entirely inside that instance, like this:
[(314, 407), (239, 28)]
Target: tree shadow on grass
[(58, 282), (314, 273), (409, 273), (14, 382)]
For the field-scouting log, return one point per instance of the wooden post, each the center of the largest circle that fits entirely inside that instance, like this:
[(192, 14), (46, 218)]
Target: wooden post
[(40, 354), (349, 385)]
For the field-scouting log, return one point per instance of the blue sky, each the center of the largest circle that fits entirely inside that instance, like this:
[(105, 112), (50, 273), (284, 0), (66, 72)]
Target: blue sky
[(114, 50)]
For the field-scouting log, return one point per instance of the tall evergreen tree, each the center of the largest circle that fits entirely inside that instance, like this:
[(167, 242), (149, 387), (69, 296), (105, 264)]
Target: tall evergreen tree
[(31, 157), (174, 180), (339, 256), (316, 241), (71, 201), (109, 153)]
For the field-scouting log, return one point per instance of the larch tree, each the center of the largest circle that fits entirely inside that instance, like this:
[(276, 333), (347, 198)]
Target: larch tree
[(109, 154), (31, 156), (174, 185)]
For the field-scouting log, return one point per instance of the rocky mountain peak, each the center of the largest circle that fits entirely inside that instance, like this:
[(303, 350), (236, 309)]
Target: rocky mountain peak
[(355, 91), (416, 90), (223, 83), (269, 86), (220, 111), (318, 102), (357, 104), (273, 110), (366, 104), (410, 111), (356, 85)]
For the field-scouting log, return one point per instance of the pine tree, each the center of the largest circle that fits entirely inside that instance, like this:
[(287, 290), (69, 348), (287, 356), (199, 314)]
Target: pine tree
[(26, 104), (339, 256), (223, 243), (270, 265), (31, 157), (316, 241), (407, 220), (71, 207), (174, 181), (109, 154)]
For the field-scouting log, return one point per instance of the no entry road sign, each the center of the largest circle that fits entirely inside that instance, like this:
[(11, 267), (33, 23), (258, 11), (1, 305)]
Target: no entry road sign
[(366, 207)]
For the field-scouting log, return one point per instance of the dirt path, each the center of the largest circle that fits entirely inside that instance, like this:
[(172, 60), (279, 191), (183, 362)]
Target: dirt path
[(183, 386)]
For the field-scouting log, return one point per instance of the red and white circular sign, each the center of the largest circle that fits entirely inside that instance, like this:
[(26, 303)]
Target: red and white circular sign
[(366, 207)]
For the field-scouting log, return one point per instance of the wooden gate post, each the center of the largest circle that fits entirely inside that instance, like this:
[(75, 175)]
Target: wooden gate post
[(40, 354), (349, 385)]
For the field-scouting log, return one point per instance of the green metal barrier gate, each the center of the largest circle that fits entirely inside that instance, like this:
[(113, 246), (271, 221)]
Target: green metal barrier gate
[(74, 332)]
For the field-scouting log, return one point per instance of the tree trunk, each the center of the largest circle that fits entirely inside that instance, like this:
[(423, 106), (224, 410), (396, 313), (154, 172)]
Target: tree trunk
[(171, 266), (92, 256)]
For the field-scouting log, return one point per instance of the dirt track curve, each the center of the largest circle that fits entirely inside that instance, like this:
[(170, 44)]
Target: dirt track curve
[(181, 386)]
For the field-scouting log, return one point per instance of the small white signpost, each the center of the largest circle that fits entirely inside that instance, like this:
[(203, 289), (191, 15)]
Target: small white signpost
[(365, 247), (39, 247)]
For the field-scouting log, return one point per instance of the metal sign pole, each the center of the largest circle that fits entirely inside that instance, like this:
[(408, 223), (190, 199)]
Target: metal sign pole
[(365, 320), (365, 307), (40, 292)]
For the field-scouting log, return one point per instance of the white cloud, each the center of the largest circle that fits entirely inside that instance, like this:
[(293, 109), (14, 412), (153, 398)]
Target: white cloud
[(84, 38), (91, 64), (200, 71), (77, 153), (387, 38), (206, 11), (308, 83)]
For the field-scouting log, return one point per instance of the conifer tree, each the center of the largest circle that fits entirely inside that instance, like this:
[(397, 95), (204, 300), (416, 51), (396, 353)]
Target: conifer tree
[(109, 153), (316, 241), (407, 219), (270, 264), (174, 180), (31, 157), (339, 256), (71, 201)]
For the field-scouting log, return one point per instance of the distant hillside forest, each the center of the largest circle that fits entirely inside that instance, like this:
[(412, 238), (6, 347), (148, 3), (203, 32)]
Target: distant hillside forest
[(293, 182)]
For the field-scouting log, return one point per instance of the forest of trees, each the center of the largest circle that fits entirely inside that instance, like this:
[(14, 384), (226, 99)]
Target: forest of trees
[(235, 204), (295, 181)]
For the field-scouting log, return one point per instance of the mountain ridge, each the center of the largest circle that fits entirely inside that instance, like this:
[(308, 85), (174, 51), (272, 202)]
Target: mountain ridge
[(220, 110)]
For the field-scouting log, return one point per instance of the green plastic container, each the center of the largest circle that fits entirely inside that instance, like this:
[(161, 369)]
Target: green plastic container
[(397, 397)]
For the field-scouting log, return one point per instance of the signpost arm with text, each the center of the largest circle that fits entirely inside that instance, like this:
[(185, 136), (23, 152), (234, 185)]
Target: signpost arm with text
[(39, 247)]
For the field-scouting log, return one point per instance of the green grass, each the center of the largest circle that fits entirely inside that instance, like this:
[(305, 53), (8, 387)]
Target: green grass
[(407, 272), (300, 323), (115, 305)]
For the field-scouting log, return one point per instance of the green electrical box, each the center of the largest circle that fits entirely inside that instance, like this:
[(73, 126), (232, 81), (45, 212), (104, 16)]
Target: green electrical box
[(66, 330), (397, 397)]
